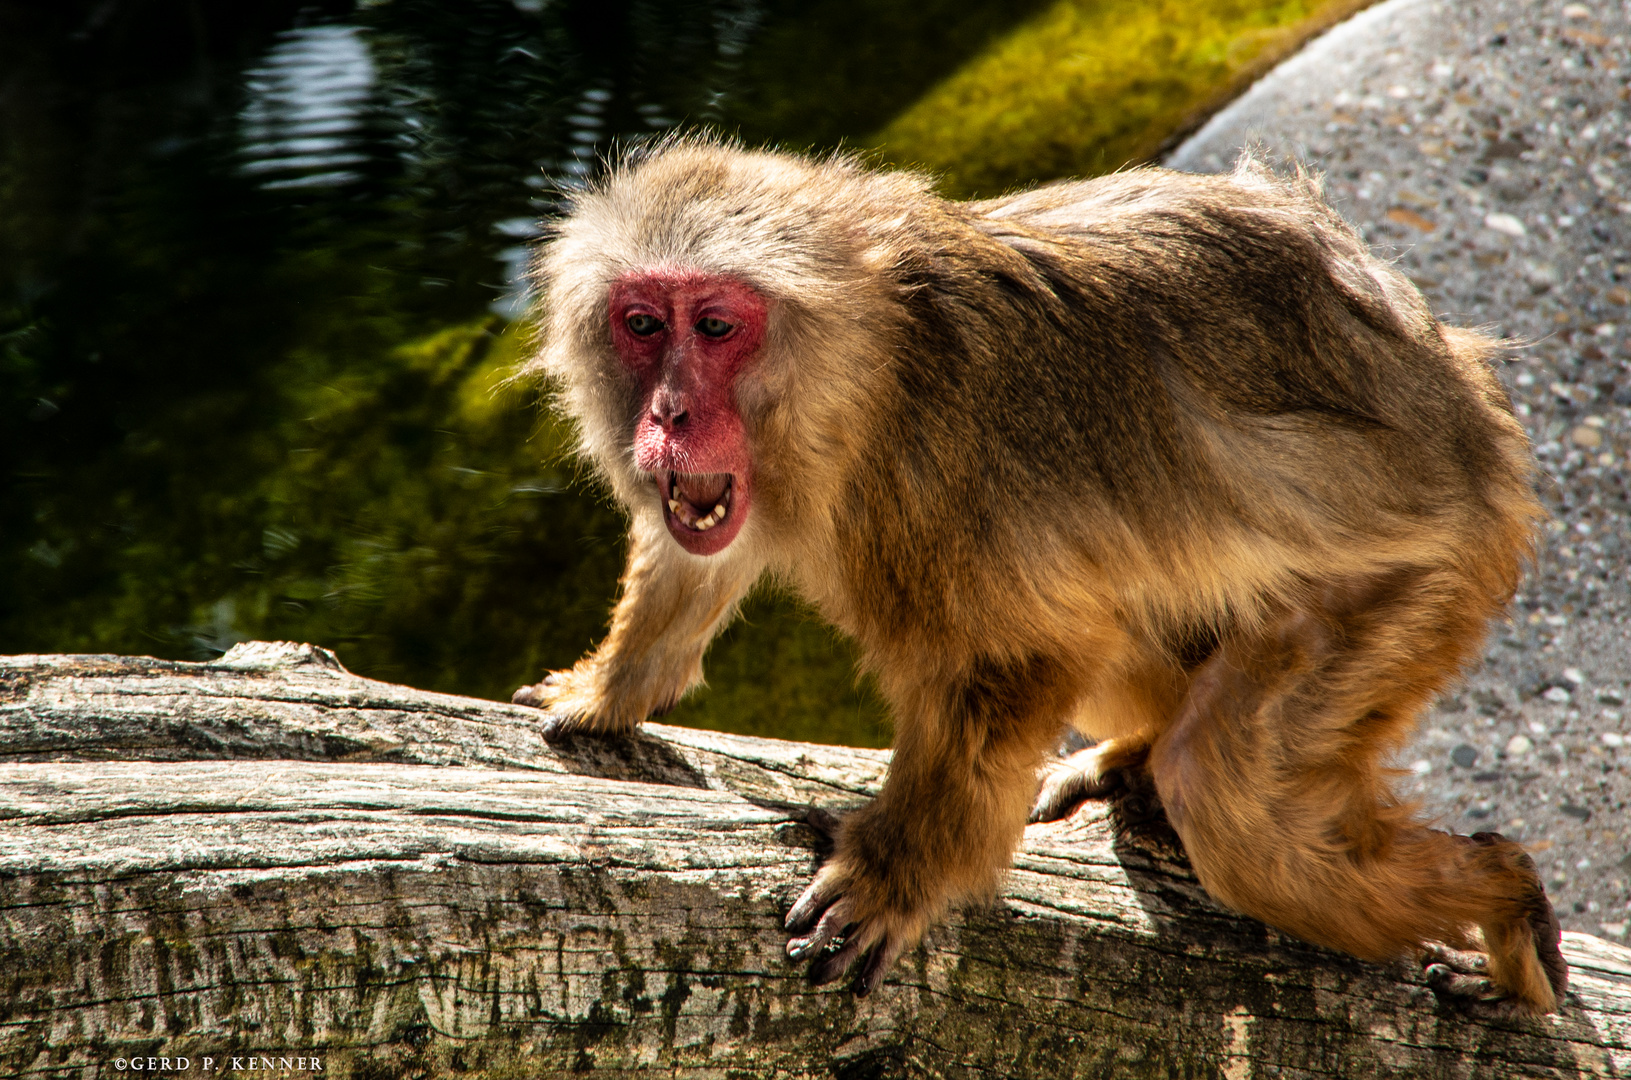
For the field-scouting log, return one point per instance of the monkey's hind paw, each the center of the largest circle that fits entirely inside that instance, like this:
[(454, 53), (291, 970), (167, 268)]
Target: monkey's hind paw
[(829, 931), (1071, 781), (1459, 973), (1464, 977)]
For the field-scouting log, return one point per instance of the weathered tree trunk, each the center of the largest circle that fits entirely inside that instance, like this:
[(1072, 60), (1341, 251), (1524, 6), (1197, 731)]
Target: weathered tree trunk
[(269, 862)]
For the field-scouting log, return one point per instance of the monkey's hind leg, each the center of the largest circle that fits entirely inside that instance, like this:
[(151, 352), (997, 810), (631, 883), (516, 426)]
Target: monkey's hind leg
[(1270, 774), (1087, 774)]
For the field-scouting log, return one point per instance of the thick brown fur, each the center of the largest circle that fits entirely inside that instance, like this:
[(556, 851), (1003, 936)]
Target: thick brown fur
[(1169, 458)]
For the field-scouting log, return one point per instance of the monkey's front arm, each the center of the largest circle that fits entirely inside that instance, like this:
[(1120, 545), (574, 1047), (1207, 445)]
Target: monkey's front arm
[(944, 827), (672, 606)]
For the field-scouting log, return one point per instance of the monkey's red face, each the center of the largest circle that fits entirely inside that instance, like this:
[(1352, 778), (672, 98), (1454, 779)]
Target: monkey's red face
[(686, 336)]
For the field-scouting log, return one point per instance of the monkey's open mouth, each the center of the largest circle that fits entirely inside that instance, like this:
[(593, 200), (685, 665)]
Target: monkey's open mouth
[(704, 511), (698, 501)]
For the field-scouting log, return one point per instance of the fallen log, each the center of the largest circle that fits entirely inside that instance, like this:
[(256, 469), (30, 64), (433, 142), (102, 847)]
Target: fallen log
[(269, 863)]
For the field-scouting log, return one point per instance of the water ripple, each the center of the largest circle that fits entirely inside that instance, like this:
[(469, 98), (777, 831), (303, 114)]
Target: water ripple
[(307, 100)]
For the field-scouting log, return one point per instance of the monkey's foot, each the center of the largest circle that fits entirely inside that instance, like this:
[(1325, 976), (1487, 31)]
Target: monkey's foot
[(1526, 956), (1087, 774), (1544, 928), (1464, 976), (832, 925)]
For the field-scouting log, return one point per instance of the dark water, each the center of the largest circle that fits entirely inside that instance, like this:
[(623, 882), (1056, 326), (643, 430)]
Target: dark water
[(256, 266)]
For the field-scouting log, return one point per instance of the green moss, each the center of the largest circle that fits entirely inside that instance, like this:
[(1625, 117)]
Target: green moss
[(1088, 86), (821, 72), (422, 520)]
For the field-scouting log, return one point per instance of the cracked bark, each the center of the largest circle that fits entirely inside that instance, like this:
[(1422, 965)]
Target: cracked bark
[(267, 857)]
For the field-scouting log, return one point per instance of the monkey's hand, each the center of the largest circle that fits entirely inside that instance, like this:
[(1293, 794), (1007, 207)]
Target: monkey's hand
[(856, 910), (573, 703)]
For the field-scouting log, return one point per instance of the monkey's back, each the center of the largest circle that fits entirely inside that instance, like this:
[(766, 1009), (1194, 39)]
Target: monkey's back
[(1207, 381)]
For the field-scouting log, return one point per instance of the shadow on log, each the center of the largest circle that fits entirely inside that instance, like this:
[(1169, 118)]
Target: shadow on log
[(269, 862)]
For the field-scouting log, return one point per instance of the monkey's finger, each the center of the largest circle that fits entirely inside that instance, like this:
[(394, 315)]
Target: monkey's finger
[(557, 727), (1460, 973), (1466, 961), (834, 924), (1447, 980), (535, 695), (878, 963), (831, 968), (815, 900), (1084, 775)]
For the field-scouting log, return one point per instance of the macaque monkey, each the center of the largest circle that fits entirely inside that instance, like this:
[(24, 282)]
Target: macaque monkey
[(1167, 458)]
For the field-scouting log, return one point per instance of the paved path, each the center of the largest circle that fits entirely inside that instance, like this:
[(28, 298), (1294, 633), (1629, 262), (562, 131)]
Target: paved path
[(1486, 145)]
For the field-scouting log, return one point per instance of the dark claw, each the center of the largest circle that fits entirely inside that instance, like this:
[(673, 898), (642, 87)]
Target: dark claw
[(878, 963), (800, 949)]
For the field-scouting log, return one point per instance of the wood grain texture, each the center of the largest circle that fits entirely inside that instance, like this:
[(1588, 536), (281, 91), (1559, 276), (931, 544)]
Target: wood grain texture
[(268, 857)]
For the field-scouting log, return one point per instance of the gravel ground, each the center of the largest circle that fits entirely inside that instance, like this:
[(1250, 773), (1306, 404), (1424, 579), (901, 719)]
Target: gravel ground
[(1486, 147)]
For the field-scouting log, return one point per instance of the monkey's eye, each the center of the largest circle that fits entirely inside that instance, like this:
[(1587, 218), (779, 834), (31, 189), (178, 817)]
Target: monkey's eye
[(711, 327), (642, 324)]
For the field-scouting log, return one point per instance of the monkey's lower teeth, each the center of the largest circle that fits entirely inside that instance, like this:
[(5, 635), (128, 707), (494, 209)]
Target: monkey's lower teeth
[(712, 518), (680, 504), (703, 523)]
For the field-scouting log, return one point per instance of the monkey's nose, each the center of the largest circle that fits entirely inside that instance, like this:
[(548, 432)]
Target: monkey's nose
[(670, 421)]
